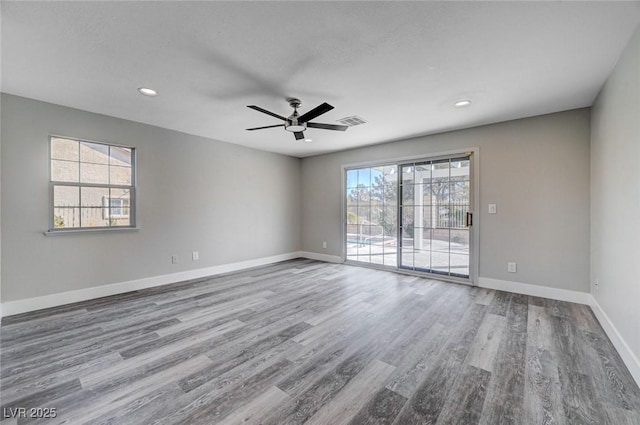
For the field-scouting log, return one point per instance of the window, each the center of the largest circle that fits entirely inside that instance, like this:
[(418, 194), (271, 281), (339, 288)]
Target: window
[(92, 185), (116, 207)]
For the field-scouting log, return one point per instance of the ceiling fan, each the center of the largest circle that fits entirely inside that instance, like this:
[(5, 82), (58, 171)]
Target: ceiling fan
[(298, 123)]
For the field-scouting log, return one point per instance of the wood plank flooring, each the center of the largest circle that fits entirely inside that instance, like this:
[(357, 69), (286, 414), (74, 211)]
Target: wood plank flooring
[(305, 342)]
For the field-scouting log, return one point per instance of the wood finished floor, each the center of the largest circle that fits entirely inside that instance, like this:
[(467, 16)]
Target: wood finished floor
[(315, 343)]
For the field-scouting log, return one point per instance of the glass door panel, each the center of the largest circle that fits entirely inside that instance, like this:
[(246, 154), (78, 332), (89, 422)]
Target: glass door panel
[(435, 200), (372, 211)]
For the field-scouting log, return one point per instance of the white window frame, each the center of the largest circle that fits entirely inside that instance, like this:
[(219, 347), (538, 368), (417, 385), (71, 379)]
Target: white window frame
[(131, 188)]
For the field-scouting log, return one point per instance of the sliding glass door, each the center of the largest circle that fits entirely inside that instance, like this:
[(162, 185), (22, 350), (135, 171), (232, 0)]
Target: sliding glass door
[(435, 200), (411, 215)]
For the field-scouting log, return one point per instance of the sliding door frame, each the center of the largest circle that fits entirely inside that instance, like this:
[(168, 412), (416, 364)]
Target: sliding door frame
[(474, 231)]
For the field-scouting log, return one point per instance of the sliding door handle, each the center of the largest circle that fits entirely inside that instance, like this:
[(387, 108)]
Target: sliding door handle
[(469, 219)]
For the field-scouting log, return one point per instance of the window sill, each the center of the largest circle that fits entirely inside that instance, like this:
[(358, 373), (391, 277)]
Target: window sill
[(85, 231)]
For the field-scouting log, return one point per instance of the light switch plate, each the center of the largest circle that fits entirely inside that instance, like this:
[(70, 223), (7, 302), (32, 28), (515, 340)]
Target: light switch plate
[(493, 208)]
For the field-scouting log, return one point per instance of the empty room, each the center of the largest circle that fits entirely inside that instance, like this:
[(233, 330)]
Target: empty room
[(319, 212)]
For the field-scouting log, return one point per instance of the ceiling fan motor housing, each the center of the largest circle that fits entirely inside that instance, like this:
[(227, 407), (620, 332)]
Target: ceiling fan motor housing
[(292, 123)]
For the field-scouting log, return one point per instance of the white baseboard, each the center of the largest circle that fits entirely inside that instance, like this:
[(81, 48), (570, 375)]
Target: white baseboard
[(628, 357), (536, 290), (31, 304), (320, 257)]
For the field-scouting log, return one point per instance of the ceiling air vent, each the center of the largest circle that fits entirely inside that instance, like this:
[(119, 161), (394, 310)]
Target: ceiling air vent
[(352, 121)]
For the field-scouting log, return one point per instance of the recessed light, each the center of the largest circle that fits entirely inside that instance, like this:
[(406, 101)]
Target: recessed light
[(462, 103), (308, 140), (147, 91)]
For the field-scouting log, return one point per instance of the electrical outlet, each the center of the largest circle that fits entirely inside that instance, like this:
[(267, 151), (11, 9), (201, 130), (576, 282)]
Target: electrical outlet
[(195, 255), (493, 209), (324, 244), (512, 267), (174, 259)]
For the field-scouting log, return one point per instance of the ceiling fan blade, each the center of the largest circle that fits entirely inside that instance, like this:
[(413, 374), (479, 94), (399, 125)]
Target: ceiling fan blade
[(315, 112), (327, 126), (266, 126), (299, 135), (264, 111)]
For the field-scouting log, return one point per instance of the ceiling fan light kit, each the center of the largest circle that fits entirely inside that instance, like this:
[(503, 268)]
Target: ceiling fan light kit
[(297, 124)]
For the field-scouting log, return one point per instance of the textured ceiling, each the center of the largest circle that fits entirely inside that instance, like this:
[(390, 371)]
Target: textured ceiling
[(399, 65)]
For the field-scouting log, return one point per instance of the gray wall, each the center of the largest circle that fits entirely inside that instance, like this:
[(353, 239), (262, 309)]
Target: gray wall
[(615, 196), (0, 164), (232, 203), (228, 202), (535, 169)]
